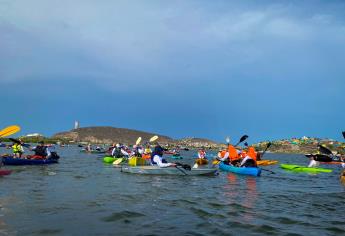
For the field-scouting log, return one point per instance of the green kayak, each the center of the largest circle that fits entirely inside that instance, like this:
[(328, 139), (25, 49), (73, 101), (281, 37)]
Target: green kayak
[(110, 159), (304, 168)]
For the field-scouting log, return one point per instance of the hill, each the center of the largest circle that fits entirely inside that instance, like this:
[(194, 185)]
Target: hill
[(104, 134)]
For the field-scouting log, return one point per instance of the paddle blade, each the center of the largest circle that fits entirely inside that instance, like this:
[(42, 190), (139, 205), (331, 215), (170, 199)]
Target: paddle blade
[(344, 134), (154, 138), (9, 130), (325, 150), (215, 162), (195, 166), (138, 141), (118, 161), (227, 140), (244, 137), (268, 145)]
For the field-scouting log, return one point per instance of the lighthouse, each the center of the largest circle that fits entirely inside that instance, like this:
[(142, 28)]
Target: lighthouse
[(76, 124)]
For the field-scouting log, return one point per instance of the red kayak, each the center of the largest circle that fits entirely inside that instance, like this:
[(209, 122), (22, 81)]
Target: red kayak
[(5, 172)]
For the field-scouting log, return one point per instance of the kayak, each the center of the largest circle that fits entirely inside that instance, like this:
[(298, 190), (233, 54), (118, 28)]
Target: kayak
[(110, 159), (266, 162), (20, 161), (171, 153), (333, 162), (5, 172), (255, 171), (304, 168), (201, 161), (92, 152), (136, 161), (155, 170)]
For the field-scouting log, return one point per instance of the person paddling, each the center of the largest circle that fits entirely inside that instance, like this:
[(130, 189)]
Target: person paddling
[(41, 150), (250, 158), (230, 156), (157, 158), (202, 153), (17, 149)]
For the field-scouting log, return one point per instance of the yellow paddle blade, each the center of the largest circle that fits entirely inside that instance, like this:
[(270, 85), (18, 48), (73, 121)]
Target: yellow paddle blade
[(118, 161), (154, 138), (9, 130), (215, 162), (138, 141)]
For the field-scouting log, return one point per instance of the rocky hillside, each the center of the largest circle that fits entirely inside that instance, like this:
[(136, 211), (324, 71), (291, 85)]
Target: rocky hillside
[(109, 135), (197, 142)]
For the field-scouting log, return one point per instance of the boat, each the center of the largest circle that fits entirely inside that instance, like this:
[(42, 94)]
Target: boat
[(92, 151), (201, 161), (255, 171), (8, 160), (5, 172), (332, 162), (299, 168), (137, 161), (266, 162), (171, 153), (155, 170)]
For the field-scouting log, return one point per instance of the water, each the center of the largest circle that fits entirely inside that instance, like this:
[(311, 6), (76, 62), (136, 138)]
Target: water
[(83, 196)]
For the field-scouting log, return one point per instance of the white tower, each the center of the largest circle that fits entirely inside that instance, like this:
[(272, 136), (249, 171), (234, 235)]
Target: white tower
[(76, 124)]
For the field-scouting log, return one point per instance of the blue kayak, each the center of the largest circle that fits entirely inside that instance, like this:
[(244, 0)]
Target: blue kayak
[(19, 161), (240, 170)]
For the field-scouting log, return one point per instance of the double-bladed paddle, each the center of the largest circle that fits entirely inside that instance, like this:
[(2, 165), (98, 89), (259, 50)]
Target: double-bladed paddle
[(9, 130)]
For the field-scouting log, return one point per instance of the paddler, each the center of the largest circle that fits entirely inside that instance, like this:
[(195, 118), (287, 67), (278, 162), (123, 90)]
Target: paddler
[(147, 152), (202, 153), (17, 149), (230, 156), (157, 158), (119, 151), (250, 159), (41, 150)]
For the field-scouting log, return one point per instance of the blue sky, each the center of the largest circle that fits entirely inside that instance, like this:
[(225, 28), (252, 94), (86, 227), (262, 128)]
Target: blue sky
[(209, 69)]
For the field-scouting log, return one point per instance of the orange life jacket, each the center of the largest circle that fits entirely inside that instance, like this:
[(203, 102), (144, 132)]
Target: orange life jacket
[(221, 153), (251, 153), (233, 155)]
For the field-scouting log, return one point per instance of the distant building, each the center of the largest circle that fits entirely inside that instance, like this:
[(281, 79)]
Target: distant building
[(76, 124), (34, 135)]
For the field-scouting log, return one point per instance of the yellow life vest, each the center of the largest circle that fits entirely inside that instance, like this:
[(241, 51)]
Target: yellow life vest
[(17, 148)]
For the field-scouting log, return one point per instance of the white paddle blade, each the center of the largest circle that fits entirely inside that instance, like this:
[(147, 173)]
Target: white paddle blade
[(227, 139), (138, 141), (195, 166), (118, 161), (154, 138)]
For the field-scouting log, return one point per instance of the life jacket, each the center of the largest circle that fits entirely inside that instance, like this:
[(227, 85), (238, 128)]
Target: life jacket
[(221, 153), (233, 155), (40, 151), (17, 148), (251, 153)]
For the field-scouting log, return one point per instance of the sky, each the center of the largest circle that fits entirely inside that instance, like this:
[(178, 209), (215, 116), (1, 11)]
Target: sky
[(209, 69)]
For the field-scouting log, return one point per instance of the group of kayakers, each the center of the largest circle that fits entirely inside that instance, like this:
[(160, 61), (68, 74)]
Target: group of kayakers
[(41, 151), (237, 157)]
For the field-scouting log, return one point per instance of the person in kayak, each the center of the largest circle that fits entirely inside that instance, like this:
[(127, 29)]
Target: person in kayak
[(17, 149), (41, 150), (250, 158), (202, 153), (119, 151), (157, 158), (230, 156)]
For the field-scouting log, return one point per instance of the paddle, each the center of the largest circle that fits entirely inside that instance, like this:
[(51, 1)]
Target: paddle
[(343, 134), (263, 153), (138, 141), (9, 130), (19, 142), (325, 150), (154, 138), (118, 161)]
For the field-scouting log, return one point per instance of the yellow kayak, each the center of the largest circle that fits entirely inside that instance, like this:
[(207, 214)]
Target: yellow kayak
[(266, 162)]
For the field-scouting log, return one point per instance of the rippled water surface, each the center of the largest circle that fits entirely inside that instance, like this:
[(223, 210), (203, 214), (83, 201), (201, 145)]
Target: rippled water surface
[(83, 196)]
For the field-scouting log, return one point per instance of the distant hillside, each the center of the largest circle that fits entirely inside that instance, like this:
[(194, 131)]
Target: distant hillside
[(109, 135), (197, 142)]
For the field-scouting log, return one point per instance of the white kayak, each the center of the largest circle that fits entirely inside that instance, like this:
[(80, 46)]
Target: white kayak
[(155, 170)]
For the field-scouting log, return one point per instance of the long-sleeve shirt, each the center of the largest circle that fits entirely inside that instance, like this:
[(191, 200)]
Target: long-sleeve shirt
[(159, 162)]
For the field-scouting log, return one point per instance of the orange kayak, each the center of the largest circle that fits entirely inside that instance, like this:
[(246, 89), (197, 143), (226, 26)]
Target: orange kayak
[(332, 162), (266, 162)]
